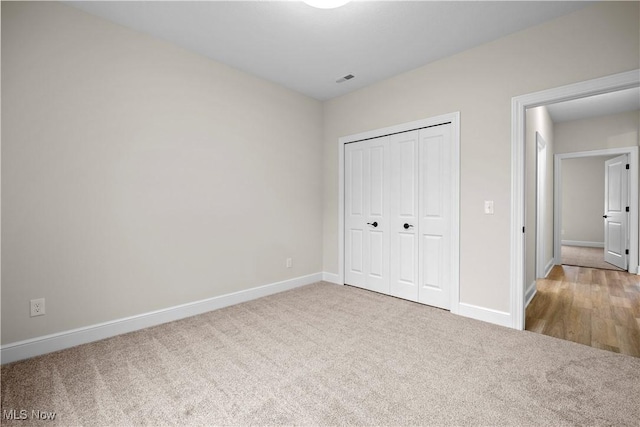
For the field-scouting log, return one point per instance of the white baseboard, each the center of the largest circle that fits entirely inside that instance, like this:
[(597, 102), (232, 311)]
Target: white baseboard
[(530, 293), (496, 317), (59, 341), (331, 278), (549, 266), (583, 244)]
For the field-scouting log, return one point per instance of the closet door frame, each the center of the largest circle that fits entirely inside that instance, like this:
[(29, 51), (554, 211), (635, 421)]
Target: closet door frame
[(454, 120)]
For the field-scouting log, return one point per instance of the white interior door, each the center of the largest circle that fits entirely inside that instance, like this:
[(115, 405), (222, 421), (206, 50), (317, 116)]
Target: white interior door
[(435, 216), (404, 215), (367, 214), (615, 215)]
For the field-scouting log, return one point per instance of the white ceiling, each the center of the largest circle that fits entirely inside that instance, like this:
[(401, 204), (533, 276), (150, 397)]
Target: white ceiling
[(594, 106), (308, 49)]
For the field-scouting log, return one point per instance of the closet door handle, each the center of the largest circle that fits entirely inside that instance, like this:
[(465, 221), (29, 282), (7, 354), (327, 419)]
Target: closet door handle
[(605, 216), (374, 223), (407, 226)]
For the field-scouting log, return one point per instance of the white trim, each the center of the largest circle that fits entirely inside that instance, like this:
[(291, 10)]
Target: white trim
[(632, 154), (519, 104), (531, 292), (454, 118), (59, 341), (583, 244), (541, 199), (548, 267), (496, 317), (331, 278)]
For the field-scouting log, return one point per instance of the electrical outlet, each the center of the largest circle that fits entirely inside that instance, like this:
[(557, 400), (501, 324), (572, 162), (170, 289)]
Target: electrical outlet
[(37, 307), (289, 263)]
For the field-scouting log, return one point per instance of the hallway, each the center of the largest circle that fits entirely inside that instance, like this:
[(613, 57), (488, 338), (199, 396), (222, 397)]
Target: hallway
[(585, 257), (598, 308)]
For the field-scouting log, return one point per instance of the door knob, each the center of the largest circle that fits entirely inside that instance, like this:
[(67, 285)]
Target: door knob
[(374, 223), (605, 216), (407, 226)]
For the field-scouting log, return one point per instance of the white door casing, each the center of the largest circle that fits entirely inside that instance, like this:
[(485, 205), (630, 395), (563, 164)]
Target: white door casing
[(366, 214), (615, 214), (541, 200)]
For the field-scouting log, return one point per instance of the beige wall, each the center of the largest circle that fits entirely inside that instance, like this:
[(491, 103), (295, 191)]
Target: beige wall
[(614, 131), (138, 176), (583, 199), (538, 121), (596, 41)]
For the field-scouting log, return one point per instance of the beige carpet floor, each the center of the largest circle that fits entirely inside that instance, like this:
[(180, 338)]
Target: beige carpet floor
[(586, 257), (327, 355)]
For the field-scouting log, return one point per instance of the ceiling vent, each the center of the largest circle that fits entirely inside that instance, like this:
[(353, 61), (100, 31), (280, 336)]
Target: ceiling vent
[(345, 78)]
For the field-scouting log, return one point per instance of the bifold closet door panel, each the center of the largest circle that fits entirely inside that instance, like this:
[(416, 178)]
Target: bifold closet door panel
[(435, 216), (367, 214), (404, 215)]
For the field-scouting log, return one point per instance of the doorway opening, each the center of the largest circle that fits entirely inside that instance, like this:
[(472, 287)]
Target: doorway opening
[(586, 234), (520, 104), (594, 205)]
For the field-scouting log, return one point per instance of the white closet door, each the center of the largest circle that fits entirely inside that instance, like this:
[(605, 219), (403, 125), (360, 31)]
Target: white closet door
[(367, 214), (435, 216), (404, 215)]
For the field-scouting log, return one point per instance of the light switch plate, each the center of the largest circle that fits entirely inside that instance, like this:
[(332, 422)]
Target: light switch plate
[(488, 207)]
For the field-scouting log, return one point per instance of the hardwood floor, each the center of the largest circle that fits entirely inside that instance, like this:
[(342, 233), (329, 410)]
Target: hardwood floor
[(598, 308)]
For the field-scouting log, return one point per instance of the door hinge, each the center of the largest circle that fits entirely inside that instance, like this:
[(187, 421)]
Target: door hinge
[(626, 251), (627, 209), (627, 166), (523, 229)]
